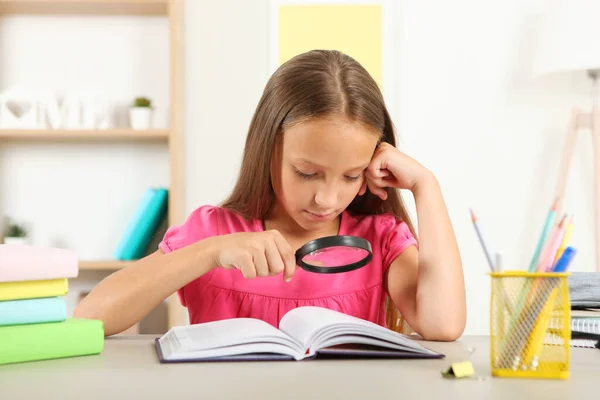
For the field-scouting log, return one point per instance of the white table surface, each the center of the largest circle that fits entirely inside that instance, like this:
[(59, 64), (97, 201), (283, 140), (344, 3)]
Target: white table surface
[(128, 368)]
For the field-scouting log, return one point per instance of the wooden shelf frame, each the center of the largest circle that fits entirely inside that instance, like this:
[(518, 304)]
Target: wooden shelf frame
[(173, 10), (78, 135), (85, 7)]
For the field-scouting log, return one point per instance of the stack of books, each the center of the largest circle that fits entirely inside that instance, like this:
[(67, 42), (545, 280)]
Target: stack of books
[(33, 314), (584, 292)]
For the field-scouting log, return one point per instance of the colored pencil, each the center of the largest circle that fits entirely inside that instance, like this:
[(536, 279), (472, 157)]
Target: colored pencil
[(498, 264), (566, 240), (565, 260), (554, 241), (542, 239), (486, 250)]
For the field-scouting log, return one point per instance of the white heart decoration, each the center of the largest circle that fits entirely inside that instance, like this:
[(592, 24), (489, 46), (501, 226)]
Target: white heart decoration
[(19, 110)]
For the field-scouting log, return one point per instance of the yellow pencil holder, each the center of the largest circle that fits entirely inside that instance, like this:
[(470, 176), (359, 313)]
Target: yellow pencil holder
[(530, 332)]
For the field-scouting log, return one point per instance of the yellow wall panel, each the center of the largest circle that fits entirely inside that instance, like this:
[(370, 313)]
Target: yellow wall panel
[(354, 29)]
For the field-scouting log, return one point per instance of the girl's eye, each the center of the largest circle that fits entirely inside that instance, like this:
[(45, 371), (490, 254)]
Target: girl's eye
[(353, 178), (305, 176)]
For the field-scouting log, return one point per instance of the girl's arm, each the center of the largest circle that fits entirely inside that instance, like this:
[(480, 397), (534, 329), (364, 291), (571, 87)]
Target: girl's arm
[(128, 295), (427, 285)]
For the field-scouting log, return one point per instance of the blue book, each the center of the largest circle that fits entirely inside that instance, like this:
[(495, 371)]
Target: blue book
[(145, 226), (126, 239), (32, 311)]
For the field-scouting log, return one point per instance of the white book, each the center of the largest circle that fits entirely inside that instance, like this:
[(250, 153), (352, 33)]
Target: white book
[(304, 333), (586, 325)]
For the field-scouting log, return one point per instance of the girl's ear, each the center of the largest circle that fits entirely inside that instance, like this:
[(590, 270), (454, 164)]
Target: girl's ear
[(363, 187)]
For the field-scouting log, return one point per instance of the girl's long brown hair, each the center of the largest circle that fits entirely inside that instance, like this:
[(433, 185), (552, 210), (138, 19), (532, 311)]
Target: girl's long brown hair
[(315, 84)]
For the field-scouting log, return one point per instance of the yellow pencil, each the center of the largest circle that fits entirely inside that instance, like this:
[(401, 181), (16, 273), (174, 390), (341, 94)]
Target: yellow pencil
[(565, 242), (535, 341)]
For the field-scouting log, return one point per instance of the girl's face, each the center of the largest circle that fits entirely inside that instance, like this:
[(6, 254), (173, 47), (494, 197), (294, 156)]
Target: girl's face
[(318, 168)]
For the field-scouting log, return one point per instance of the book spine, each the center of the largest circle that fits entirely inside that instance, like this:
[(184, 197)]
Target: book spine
[(32, 311), (33, 289), (126, 242), (146, 226), (34, 263), (21, 343)]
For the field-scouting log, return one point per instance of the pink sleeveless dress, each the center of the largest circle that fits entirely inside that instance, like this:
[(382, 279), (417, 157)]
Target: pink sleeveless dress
[(222, 294)]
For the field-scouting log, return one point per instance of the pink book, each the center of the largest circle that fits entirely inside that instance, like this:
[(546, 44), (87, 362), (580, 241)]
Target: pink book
[(20, 262)]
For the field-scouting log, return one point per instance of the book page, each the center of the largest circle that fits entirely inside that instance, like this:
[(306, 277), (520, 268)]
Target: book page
[(249, 351), (314, 327), (593, 313), (222, 334)]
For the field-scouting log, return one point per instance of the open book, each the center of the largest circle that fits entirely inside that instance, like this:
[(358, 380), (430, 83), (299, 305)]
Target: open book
[(304, 333)]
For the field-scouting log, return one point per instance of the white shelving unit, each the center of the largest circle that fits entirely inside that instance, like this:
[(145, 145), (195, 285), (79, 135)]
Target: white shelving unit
[(172, 137)]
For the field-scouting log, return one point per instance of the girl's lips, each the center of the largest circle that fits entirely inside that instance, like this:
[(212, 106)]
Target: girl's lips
[(318, 217)]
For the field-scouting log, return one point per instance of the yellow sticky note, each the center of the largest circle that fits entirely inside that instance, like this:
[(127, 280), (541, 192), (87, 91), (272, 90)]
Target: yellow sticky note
[(354, 29), (459, 370)]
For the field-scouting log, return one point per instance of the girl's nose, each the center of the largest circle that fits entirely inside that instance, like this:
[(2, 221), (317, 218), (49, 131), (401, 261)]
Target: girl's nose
[(326, 198)]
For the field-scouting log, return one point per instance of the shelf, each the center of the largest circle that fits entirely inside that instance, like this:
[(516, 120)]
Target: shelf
[(79, 7), (171, 14), (109, 265), (76, 135)]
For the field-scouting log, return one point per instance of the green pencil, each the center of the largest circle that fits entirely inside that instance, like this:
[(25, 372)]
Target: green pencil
[(543, 236)]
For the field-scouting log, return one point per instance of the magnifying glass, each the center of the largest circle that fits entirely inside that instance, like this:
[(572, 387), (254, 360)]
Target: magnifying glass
[(334, 254)]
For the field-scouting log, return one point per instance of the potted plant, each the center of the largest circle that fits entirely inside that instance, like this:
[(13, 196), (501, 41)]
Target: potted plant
[(140, 114), (15, 234)]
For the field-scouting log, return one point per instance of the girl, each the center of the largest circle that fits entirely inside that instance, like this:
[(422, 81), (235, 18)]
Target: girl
[(320, 160)]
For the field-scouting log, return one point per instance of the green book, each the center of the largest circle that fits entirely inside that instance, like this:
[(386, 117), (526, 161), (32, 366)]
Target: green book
[(73, 337)]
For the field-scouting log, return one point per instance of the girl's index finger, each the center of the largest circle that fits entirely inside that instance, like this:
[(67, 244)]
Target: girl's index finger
[(288, 257)]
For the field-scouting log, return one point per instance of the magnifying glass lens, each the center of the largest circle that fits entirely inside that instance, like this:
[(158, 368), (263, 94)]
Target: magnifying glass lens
[(334, 254)]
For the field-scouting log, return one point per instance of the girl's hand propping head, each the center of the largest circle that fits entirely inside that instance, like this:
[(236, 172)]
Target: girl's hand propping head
[(256, 254), (390, 167)]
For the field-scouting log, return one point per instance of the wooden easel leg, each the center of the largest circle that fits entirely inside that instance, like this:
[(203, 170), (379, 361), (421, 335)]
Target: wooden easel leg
[(563, 171), (595, 117)]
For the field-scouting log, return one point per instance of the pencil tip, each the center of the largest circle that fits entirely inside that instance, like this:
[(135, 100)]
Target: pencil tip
[(555, 204), (472, 214)]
